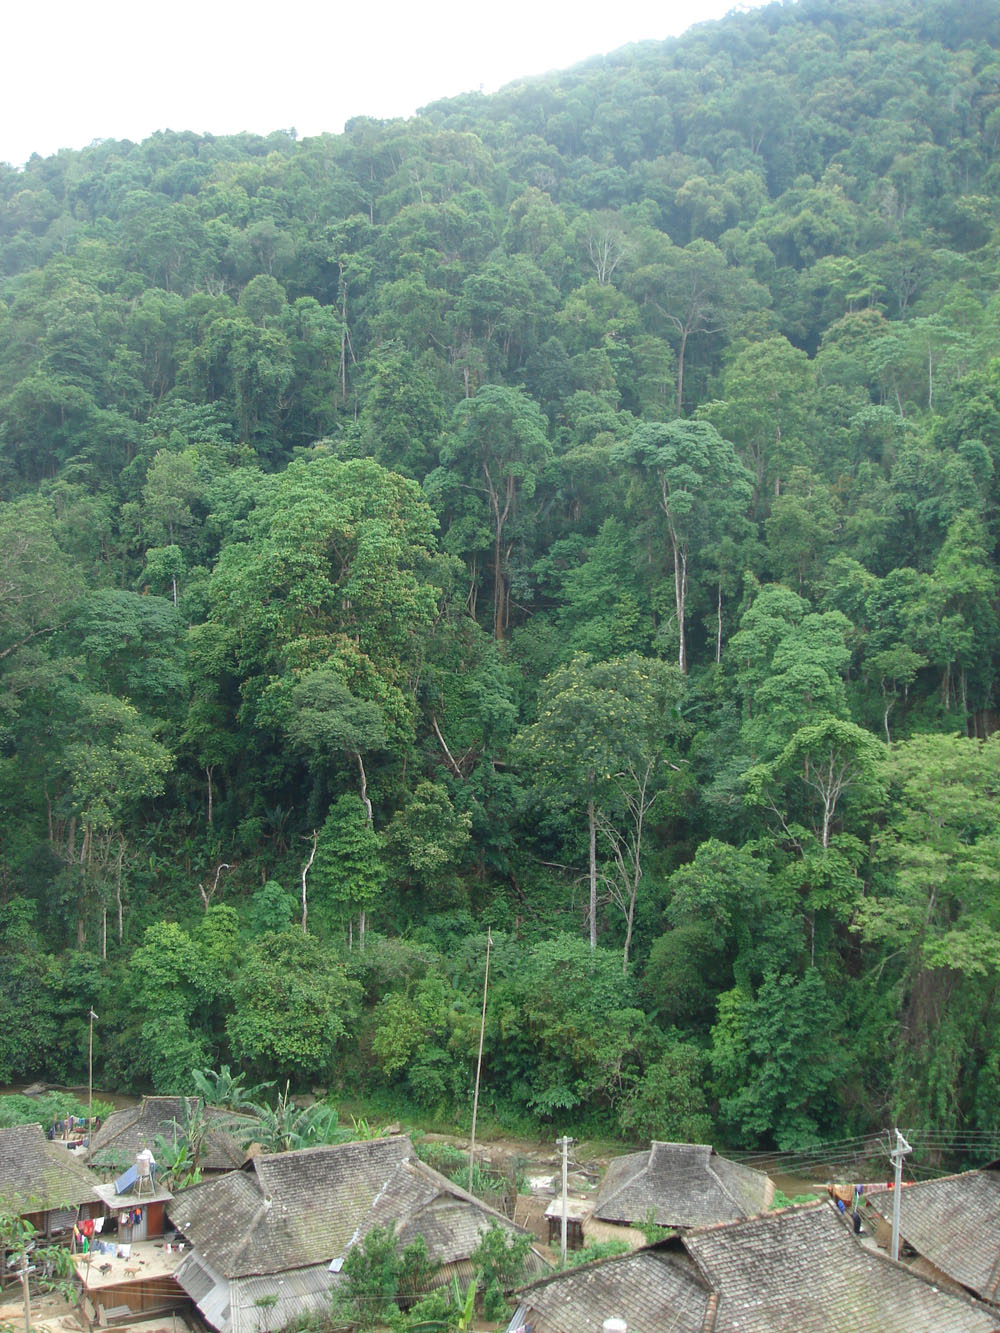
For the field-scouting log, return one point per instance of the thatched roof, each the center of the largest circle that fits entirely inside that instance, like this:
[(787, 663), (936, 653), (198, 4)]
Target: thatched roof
[(37, 1175), (680, 1185), (649, 1290), (126, 1131), (955, 1223), (803, 1269)]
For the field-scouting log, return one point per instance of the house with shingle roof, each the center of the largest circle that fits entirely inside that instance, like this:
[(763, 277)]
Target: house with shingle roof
[(269, 1241), (44, 1182), (133, 1128), (798, 1270), (649, 1289), (680, 1185), (804, 1269), (953, 1223)]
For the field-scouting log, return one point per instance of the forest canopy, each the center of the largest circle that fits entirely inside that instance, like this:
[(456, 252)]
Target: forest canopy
[(570, 512)]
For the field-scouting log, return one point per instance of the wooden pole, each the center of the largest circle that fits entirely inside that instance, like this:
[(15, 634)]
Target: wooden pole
[(479, 1061), (25, 1270), (90, 1079)]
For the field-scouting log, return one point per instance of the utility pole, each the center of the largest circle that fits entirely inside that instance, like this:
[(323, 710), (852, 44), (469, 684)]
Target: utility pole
[(479, 1061), (90, 1079), (25, 1270), (896, 1157), (564, 1143)]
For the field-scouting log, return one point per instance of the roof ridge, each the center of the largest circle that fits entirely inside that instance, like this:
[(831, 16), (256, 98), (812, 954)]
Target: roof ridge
[(711, 1311), (993, 1284), (758, 1218), (591, 1266), (367, 1144), (889, 1188), (446, 1187), (737, 1203), (602, 1204), (125, 1123)]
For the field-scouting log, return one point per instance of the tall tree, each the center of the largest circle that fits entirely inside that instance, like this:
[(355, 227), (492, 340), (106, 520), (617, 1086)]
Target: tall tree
[(604, 733), (687, 471), (497, 449)]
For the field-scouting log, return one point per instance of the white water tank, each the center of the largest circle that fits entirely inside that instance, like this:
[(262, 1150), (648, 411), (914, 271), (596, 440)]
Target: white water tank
[(614, 1326)]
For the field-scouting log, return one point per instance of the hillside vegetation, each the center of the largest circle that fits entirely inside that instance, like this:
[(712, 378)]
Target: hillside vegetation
[(570, 513)]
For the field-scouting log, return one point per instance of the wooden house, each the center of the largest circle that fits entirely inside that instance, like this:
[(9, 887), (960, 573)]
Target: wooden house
[(137, 1215), (577, 1212), (44, 1182), (648, 1289), (797, 1269), (954, 1226), (127, 1282), (126, 1132), (680, 1185), (268, 1242)]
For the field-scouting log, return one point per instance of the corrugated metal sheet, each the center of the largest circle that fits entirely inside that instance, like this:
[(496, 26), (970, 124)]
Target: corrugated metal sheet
[(298, 1291), (195, 1275), (215, 1306), (194, 1279)]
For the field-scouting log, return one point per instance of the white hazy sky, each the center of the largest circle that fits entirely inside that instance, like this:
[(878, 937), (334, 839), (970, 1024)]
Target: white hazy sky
[(74, 72)]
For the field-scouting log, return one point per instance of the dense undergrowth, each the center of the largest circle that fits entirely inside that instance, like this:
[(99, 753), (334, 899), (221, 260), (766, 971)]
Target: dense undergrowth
[(566, 519)]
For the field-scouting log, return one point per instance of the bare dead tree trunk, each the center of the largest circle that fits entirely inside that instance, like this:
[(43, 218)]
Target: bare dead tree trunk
[(444, 746), (208, 895), (305, 871), (626, 846), (365, 798)]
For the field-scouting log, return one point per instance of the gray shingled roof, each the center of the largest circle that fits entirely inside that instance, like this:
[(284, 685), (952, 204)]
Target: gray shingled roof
[(451, 1220), (126, 1131), (680, 1185), (649, 1289), (802, 1269), (955, 1223), (36, 1175), (291, 1210)]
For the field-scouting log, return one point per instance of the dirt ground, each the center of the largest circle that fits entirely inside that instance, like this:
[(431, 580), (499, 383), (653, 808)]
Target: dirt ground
[(53, 1314), (50, 1313)]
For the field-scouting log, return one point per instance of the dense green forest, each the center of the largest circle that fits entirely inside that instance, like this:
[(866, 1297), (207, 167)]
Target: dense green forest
[(569, 514)]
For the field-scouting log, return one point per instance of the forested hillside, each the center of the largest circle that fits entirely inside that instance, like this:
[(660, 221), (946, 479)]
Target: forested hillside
[(570, 513)]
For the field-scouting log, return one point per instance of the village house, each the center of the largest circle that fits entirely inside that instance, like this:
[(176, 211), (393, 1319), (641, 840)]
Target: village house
[(798, 1269), (954, 1226), (268, 1242), (135, 1206), (680, 1185), (44, 1182), (648, 1289), (123, 1282), (127, 1132)]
